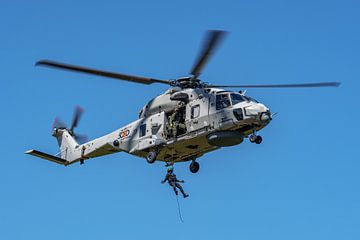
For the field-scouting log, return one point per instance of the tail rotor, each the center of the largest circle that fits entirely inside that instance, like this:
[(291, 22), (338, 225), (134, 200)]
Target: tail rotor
[(58, 124)]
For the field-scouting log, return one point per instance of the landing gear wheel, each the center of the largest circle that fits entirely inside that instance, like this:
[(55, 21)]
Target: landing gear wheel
[(151, 157), (258, 140), (194, 167), (252, 138)]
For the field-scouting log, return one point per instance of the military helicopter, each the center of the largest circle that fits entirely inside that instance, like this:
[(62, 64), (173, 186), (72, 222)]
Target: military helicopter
[(188, 120)]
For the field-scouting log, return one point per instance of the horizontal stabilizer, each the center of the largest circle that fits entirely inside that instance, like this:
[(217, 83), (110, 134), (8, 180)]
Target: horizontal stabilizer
[(46, 156)]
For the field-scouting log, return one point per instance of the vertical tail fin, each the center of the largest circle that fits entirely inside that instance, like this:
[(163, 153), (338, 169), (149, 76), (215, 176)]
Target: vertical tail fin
[(70, 151), (67, 144), (68, 141)]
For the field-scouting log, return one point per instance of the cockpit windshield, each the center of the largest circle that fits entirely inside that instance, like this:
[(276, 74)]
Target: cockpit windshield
[(236, 98), (250, 99), (226, 99)]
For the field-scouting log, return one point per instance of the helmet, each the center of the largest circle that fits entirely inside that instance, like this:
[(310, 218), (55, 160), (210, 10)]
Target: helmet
[(170, 169)]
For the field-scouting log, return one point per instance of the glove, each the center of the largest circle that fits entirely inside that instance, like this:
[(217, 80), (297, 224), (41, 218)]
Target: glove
[(182, 181), (162, 182)]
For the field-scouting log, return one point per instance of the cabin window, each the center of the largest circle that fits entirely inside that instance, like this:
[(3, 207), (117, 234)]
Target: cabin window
[(142, 130), (195, 111), (222, 101)]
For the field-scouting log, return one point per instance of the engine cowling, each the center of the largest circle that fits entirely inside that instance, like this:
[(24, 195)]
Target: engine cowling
[(162, 103), (180, 96)]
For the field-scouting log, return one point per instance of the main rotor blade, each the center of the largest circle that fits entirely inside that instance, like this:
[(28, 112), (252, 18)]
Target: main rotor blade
[(297, 85), (212, 40), (130, 78)]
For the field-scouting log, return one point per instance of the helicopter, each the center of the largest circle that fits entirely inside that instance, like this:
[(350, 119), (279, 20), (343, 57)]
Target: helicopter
[(185, 122)]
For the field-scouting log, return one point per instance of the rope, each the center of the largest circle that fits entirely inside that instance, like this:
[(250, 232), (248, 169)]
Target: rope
[(179, 210), (177, 196), (172, 157)]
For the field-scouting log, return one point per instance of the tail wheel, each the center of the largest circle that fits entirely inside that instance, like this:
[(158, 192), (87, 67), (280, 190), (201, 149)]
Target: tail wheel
[(194, 167)]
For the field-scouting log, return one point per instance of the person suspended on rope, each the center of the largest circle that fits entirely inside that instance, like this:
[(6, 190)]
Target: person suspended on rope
[(174, 182)]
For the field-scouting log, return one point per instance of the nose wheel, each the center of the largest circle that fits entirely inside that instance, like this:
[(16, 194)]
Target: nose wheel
[(255, 138), (194, 166), (258, 139)]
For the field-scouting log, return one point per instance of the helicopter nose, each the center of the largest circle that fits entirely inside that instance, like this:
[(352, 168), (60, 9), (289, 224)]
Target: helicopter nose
[(259, 111), (256, 109), (265, 116)]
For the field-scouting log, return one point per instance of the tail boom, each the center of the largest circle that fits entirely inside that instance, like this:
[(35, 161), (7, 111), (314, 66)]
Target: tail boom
[(71, 151)]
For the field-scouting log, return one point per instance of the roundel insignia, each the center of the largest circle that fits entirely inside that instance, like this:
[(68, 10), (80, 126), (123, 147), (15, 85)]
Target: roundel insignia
[(124, 133)]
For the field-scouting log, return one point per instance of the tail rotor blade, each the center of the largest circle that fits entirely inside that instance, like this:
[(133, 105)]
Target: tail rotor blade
[(81, 139), (77, 115), (58, 123)]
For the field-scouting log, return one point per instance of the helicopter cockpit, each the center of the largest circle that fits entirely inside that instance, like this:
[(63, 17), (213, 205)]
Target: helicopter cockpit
[(227, 99)]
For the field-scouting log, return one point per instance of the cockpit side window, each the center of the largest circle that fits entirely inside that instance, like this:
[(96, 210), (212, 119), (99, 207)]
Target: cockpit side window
[(222, 101), (236, 98), (142, 131), (140, 113)]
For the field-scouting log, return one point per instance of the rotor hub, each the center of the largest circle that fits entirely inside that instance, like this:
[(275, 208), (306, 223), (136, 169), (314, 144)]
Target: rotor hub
[(188, 82)]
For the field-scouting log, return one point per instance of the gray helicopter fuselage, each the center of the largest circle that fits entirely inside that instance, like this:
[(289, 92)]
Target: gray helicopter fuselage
[(187, 121), (213, 118)]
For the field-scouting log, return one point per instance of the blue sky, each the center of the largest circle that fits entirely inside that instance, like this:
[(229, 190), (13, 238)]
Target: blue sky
[(302, 182)]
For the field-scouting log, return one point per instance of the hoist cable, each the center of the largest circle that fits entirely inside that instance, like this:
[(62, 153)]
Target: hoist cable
[(179, 209)]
